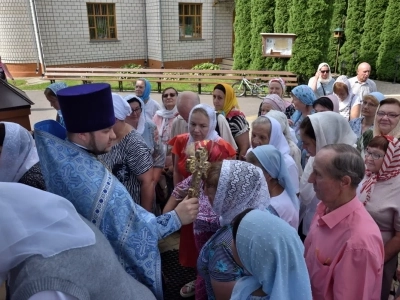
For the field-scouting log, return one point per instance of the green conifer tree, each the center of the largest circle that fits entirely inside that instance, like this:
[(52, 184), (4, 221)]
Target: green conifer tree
[(354, 29), (282, 8), (370, 40), (390, 42), (310, 21), (338, 18), (242, 29), (262, 20)]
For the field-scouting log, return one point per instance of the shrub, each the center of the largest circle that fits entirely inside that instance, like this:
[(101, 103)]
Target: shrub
[(206, 66), (390, 42)]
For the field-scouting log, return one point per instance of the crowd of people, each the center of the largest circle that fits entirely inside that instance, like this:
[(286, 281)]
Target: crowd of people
[(301, 204)]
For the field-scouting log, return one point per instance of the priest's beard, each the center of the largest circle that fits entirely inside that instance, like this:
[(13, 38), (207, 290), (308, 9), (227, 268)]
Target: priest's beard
[(95, 147)]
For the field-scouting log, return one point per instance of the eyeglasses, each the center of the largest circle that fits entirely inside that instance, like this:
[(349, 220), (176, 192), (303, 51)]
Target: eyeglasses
[(170, 95), (365, 103), (374, 156), (137, 110), (324, 71), (389, 115)]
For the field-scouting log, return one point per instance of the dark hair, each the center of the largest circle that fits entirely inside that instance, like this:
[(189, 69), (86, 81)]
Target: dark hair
[(379, 142), (236, 221), (2, 133), (213, 173), (134, 99), (48, 92), (220, 87), (307, 128), (389, 101), (347, 162), (169, 88), (325, 102)]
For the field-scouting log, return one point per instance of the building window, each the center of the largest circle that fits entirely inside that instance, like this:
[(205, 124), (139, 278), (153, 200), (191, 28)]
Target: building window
[(190, 20), (101, 21)]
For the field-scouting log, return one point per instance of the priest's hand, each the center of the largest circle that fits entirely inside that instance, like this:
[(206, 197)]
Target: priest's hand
[(187, 210)]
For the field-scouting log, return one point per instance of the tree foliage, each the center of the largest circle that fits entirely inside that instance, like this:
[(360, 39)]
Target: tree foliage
[(242, 35), (390, 42), (338, 18), (353, 32), (310, 20), (262, 20), (370, 40)]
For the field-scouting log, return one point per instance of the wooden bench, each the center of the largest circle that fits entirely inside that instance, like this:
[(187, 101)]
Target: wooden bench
[(160, 76)]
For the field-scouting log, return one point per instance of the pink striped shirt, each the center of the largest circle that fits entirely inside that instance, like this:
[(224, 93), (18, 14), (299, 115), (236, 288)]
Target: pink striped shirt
[(344, 254)]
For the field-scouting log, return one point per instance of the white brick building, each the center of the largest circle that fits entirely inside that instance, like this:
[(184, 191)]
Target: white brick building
[(111, 33)]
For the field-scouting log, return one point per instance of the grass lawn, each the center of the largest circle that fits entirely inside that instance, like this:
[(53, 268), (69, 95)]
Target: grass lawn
[(128, 86)]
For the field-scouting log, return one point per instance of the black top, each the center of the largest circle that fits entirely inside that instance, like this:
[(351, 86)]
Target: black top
[(34, 178)]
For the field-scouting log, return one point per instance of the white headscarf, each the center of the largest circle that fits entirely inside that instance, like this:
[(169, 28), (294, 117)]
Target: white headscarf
[(277, 139), (324, 64), (35, 222), (122, 109), (166, 114), (19, 153), (329, 128), (241, 185), (212, 135), (142, 118)]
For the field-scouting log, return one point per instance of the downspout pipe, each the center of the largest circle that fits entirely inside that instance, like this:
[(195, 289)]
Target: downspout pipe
[(146, 40), (161, 35), (37, 36)]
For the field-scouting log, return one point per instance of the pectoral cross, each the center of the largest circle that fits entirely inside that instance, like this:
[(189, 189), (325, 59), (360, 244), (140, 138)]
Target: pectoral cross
[(198, 165)]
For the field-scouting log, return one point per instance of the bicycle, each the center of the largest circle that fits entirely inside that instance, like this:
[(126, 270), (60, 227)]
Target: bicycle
[(256, 88)]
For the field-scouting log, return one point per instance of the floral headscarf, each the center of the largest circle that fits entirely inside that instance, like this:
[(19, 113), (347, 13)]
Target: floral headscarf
[(390, 167), (276, 102), (280, 81), (241, 185), (56, 86), (306, 95)]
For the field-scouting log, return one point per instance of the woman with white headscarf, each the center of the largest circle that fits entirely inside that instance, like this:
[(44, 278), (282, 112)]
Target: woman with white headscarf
[(277, 269), (231, 186), (283, 196), (48, 251), (290, 136), (148, 130), (317, 131), (349, 103), (267, 131), (322, 82), (19, 161), (130, 159)]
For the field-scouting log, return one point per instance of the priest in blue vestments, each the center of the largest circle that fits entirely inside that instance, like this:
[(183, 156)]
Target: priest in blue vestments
[(68, 158)]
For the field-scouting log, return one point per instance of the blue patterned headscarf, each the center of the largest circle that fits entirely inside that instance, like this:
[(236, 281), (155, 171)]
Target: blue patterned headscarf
[(56, 86), (306, 95), (274, 164), (271, 250), (147, 89)]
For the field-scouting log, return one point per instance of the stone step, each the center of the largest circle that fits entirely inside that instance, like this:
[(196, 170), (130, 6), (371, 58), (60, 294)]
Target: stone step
[(225, 67)]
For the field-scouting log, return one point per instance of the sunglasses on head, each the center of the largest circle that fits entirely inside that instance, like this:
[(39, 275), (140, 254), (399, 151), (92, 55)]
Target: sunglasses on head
[(170, 95)]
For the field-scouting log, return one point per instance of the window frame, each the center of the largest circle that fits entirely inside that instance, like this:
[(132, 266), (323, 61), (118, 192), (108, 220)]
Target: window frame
[(195, 11), (107, 15)]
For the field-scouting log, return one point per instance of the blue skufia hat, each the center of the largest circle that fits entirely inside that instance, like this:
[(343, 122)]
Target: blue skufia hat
[(87, 107)]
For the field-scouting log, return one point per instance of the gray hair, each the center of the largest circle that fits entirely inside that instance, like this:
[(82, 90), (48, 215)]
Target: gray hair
[(347, 162), (261, 121)]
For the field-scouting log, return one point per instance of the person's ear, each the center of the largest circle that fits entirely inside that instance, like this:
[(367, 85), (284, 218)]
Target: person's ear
[(346, 181)]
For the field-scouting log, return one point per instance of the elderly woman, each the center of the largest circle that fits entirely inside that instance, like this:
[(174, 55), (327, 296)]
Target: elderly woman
[(283, 196), (349, 103), (207, 221), (130, 159), (369, 106), (278, 269), (290, 137), (380, 194), (322, 82), (386, 123), (19, 160), (268, 131), (317, 131), (303, 99), (231, 186), (138, 119), (51, 95), (143, 90), (225, 102), (202, 122)]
